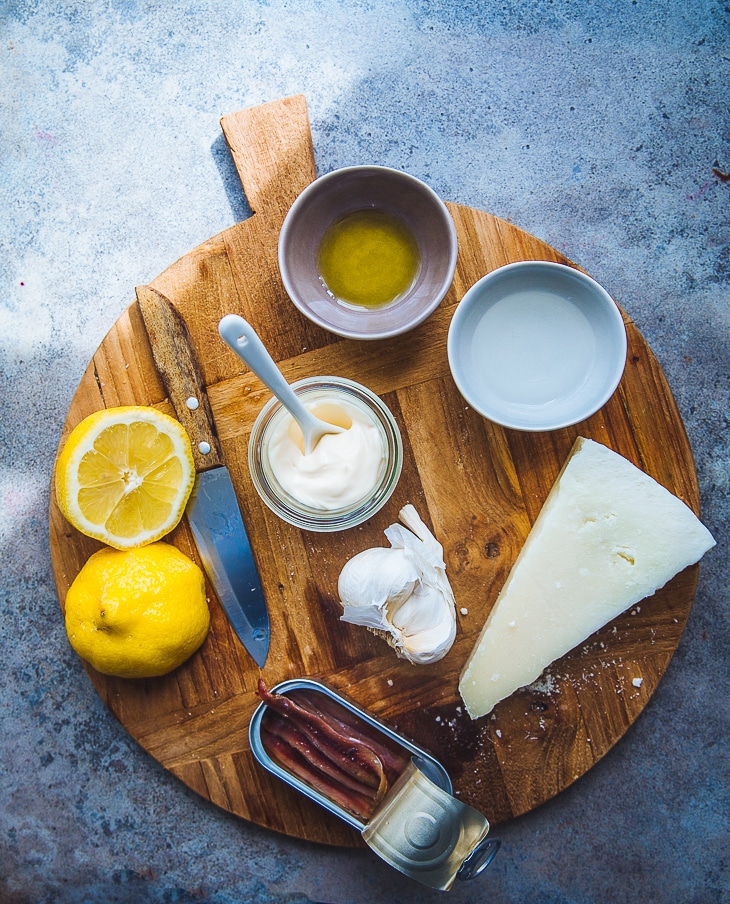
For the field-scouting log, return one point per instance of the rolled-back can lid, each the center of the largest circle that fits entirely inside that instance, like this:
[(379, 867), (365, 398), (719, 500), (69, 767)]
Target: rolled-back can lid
[(424, 832)]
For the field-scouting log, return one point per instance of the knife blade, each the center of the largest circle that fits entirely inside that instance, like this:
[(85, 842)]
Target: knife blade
[(212, 511)]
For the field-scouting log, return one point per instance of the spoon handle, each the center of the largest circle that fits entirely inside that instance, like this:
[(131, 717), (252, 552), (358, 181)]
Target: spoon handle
[(242, 338)]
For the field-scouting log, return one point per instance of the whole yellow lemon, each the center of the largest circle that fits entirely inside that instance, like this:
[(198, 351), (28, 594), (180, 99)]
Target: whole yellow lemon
[(137, 613)]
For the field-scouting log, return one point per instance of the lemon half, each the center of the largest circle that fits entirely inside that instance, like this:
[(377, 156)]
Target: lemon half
[(125, 475), (137, 613)]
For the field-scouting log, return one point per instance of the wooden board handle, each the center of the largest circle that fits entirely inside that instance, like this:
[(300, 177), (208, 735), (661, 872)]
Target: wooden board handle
[(272, 150), (172, 350)]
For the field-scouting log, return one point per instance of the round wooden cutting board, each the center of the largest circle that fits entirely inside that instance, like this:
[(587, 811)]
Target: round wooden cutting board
[(478, 486)]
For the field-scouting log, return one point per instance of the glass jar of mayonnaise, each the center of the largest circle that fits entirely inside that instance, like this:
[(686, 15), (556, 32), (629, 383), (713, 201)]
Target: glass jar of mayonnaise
[(347, 477)]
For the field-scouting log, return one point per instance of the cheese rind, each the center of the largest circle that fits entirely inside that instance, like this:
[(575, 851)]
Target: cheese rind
[(607, 536)]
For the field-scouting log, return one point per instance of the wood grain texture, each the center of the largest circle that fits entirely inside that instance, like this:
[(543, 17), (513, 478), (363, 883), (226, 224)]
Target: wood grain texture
[(479, 487), (172, 350)]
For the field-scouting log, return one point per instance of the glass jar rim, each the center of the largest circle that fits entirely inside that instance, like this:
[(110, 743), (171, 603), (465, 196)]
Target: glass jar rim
[(303, 516)]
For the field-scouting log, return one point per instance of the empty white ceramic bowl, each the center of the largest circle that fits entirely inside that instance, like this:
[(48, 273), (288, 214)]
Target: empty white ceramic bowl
[(537, 345)]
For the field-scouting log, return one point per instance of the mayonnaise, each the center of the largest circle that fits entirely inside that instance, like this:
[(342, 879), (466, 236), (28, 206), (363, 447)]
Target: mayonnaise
[(342, 469)]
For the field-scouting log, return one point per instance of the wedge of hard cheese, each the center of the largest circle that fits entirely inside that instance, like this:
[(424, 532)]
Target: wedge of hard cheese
[(608, 536)]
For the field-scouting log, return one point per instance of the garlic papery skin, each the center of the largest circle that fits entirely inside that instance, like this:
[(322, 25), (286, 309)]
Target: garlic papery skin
[(402, 592), (375, 577), (424, 627)]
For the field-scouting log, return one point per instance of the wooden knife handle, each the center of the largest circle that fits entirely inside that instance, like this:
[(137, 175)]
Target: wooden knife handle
[(175, 359)]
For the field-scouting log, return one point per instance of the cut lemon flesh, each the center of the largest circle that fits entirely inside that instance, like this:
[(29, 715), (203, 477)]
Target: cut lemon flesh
[(125, 475)]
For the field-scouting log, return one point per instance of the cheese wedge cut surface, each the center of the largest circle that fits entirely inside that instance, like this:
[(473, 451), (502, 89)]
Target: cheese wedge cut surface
[(607, 536)]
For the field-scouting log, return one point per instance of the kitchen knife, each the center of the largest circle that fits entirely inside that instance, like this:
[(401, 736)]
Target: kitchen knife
[(213, 511)]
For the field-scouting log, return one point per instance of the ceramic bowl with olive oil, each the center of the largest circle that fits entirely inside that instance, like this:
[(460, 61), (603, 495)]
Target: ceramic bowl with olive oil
[(367, 252)]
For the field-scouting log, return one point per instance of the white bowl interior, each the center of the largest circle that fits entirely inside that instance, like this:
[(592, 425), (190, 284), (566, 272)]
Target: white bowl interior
[(537, 345)]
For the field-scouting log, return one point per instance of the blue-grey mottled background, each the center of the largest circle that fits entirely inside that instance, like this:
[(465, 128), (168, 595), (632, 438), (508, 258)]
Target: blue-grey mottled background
[(601, 126)]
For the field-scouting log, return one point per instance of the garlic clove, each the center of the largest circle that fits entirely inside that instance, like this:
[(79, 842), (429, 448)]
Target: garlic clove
[(427, 626), (402, 592), (426, 648), (375, 576), (422, 611)]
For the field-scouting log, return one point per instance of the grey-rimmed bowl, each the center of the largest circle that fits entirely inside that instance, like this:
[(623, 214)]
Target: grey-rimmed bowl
[(537, 345), (344, 191)]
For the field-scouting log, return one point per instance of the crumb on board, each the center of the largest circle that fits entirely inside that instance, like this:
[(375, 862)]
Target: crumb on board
[(545, 684)]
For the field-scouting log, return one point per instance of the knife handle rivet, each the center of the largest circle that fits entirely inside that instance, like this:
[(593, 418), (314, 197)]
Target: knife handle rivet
[(192, 403), (204, 448)]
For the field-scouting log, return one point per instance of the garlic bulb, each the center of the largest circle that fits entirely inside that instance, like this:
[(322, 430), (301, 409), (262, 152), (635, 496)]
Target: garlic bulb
[(402, 592)]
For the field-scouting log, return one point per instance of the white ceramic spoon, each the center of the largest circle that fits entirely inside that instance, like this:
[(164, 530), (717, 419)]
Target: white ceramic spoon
[(241, 338)]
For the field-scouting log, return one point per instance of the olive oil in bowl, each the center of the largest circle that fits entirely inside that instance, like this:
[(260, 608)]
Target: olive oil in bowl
[(368, 259)]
